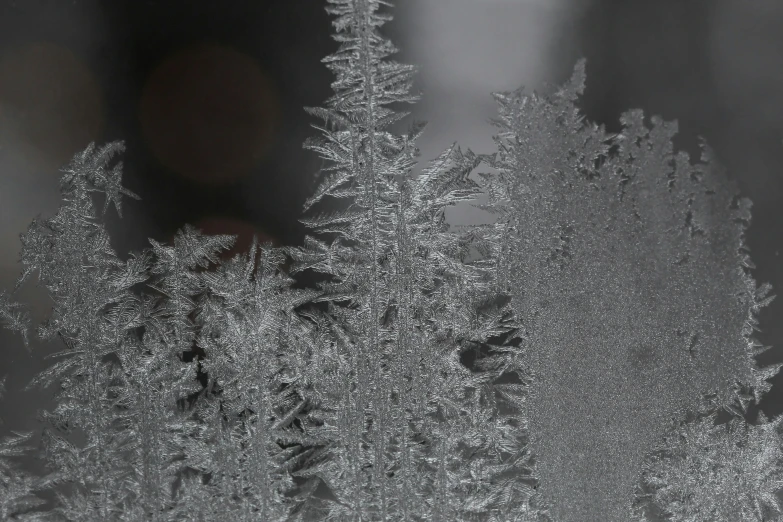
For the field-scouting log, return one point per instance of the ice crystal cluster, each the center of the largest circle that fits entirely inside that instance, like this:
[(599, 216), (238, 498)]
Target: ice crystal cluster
[(554, 365), (630, 278)]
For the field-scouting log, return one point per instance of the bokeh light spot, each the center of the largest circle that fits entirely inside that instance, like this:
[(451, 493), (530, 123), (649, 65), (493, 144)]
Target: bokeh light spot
[(50, 105), (208, 113)]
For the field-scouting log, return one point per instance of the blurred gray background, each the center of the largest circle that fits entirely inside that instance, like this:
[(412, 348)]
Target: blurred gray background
[(208, 97)]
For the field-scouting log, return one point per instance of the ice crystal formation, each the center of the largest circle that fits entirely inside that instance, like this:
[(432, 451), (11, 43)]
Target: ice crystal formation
[(17, 487), (703, 470), (631, 278), (544, 367)]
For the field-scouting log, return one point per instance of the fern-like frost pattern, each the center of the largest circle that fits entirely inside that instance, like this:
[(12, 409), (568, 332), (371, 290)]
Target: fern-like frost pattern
[(544, 367)]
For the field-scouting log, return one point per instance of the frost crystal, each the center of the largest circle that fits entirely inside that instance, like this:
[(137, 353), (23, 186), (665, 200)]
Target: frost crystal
[(523, 370), (722, 472), (631, 283), (411, 432), (17, 488)]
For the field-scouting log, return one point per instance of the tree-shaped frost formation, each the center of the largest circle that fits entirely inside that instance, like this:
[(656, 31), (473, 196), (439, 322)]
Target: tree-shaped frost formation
[(631, 280), (93, 309), (525, 370), (255, 351), (413, 432)]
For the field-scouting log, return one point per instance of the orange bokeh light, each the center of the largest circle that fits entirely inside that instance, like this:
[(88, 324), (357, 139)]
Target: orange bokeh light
[(208, 113), (51, 106)]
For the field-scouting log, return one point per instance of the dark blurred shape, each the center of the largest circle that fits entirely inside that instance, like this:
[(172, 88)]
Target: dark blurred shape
[(50, 105), (225, 83), (746, 46), (208, 113), (746, 55)]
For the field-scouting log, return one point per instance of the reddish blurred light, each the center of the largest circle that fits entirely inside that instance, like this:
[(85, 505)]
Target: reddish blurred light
[(209, 113)]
